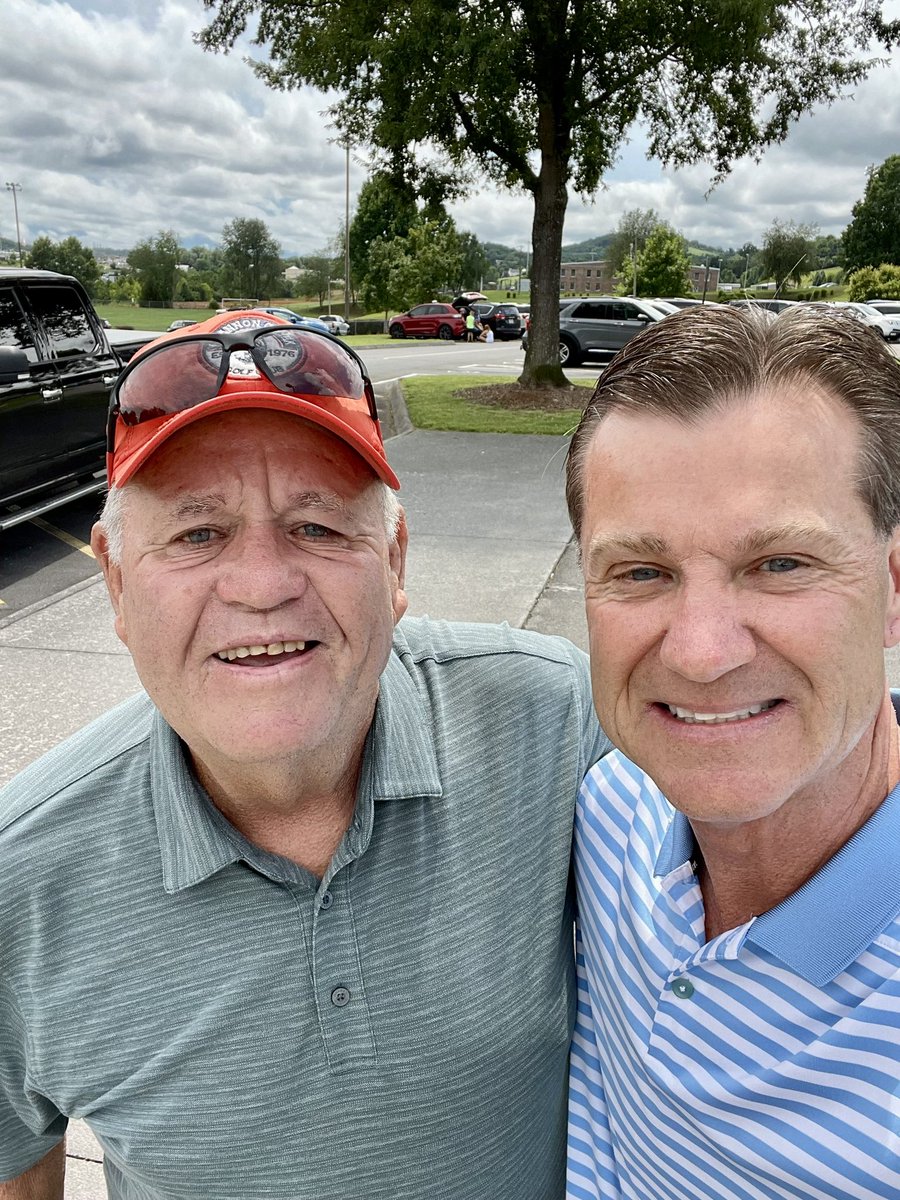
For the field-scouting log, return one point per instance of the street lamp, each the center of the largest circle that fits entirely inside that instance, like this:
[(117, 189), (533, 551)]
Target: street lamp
[(16, 188)]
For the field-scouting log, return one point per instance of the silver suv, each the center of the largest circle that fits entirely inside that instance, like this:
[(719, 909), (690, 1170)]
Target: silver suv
[(601, 325)]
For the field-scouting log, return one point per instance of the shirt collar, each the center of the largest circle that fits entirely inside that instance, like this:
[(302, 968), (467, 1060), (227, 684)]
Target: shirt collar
[(827, 923), (399, 762)]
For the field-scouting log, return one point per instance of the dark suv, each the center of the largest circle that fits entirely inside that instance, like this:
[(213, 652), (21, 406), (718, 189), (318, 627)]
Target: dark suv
[(505, 319), (428, 320)]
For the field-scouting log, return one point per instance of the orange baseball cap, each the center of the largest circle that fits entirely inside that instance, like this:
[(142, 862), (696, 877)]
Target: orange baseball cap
[(209, 368)]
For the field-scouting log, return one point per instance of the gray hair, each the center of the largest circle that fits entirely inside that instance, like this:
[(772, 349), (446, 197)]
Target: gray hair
[(704, 358), (112, 518)]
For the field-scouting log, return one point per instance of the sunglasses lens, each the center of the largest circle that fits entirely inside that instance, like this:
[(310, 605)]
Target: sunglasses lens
[(176, 377), (309, 365)]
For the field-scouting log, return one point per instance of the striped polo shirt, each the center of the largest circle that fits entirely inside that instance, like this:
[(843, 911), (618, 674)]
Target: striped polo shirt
[(762, 1064)]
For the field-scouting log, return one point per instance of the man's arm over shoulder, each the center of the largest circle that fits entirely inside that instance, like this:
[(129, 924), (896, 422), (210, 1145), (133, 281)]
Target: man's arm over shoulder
[(44, 1181)]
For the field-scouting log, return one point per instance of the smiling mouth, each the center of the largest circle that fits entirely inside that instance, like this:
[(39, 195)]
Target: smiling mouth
[(259, 655), (689, 717)]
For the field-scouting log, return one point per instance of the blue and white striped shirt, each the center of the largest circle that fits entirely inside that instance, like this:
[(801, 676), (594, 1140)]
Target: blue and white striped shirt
[(762, 1064)]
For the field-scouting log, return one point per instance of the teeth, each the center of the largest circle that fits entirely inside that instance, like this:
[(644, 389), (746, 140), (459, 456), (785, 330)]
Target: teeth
[(272, 648), (699, 718)]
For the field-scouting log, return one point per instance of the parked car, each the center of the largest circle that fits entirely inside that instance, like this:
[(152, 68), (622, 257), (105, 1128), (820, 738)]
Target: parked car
[(679, 301), (288, 314), (335, 323), (887, 326), (773, 306), (179, 325), (600, 325), (428, 320), (57, 365), (890, 308), (505, 319)]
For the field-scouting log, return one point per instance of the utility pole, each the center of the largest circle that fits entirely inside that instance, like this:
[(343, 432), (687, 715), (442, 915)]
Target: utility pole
[(634, 268), (347, 231), (15, 188)]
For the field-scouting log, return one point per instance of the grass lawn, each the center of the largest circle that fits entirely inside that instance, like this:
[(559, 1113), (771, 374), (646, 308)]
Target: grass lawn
[(433, 404)]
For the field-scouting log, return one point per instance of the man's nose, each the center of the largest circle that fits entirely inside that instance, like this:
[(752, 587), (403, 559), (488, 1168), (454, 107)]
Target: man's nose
[(707, 635), (259, 571)]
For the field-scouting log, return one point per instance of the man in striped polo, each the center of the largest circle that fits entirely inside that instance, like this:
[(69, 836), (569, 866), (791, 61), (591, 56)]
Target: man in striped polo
[(735, 486)]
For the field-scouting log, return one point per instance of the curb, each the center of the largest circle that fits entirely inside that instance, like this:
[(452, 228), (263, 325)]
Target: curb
[(392, 410)]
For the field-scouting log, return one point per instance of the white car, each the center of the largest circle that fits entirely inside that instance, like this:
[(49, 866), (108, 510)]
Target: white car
[(888, 327), (335, 323)]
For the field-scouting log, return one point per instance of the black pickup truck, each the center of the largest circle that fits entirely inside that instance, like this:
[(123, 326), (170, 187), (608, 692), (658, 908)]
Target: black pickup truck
[(56, 370)]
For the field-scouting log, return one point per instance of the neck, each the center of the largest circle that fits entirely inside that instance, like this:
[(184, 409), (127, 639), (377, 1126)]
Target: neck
[(748, 869), (284, 807)]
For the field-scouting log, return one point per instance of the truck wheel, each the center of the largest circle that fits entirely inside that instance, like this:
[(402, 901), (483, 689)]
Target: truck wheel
[(445, 333), (397, 331)]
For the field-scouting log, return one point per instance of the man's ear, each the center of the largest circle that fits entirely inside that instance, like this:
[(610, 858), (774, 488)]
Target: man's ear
[(892, 616), (112, 573), (397, 557)]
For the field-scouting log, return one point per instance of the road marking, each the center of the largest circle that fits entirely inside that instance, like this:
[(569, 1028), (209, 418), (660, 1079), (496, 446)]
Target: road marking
[(68, 538), (2, 604)]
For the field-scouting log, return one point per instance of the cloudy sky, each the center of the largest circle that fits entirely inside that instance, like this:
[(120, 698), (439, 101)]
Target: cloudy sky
[(116, 126)]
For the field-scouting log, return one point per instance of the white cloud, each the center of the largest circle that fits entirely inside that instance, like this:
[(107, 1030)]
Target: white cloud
[(117, 125)]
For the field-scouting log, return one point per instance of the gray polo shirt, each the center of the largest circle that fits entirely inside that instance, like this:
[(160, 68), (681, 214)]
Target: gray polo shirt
[(231, 1027)]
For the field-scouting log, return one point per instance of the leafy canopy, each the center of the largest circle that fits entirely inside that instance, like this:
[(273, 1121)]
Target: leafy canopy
[(789, 251), (873, 236), (69, 257), (663, 265)]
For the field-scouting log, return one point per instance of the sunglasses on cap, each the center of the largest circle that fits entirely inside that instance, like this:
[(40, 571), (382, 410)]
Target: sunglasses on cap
[(186, 372)]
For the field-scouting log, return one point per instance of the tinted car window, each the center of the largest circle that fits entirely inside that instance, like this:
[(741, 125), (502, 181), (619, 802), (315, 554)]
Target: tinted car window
[(421, 310), (14, 328), (65, 320), (508, 308), (590, 311)]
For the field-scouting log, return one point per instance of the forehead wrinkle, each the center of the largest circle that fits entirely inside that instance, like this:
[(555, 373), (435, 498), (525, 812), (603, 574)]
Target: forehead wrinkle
[(325, 501)]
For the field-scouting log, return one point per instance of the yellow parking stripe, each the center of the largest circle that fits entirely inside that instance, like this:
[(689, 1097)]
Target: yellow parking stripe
[(68, 538)]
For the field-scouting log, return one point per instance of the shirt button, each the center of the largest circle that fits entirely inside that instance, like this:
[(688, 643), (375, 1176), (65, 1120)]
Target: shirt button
[(326, 900), (683, 988), (340, 997)]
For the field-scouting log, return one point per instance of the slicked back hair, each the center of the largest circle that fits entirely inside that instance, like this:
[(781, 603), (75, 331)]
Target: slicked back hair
[(702, 359)]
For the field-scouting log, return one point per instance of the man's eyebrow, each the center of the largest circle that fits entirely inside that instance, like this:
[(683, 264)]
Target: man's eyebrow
[(326, 501), (758, 540), (196, 504), (634, 545)]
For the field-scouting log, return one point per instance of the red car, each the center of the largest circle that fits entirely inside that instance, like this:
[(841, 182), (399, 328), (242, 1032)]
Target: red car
[(428, 320)]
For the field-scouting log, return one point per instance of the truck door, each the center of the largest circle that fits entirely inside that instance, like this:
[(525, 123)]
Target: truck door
[(85, 371), (26, 440)]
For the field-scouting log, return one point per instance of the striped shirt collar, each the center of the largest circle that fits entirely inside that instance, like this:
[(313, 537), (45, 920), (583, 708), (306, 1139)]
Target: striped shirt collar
[(399, 759), (828, 922)]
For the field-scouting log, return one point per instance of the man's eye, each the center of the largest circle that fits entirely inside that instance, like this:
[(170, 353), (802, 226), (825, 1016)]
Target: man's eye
[(780, 565), (313, 531), (198, 537), (642, 574)]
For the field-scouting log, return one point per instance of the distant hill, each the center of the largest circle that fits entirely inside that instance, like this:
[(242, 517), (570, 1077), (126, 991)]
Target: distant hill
[(592, 249)]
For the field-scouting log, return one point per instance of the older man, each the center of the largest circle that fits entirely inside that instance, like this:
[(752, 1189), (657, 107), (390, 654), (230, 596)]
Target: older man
[(735, 486), (295, 923)]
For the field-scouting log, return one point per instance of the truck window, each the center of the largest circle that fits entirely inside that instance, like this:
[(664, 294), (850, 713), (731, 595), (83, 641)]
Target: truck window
[(65, 319), (14, 328)]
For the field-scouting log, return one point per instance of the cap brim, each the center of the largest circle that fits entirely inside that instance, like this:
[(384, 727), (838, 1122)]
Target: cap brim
[(127, 463)]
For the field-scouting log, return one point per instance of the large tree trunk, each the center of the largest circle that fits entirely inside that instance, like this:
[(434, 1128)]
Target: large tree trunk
[(542, 367)]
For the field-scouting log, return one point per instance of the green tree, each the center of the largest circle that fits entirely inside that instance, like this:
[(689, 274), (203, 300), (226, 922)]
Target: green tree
[(873, 236), (319, 269), (385, 209), (541, 96), (788, 251), (663, 266), (634, 227), (474, 264), (252, 263), (829, 250), (153, 262), (414, 269), (882, 282), (69, 257)]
